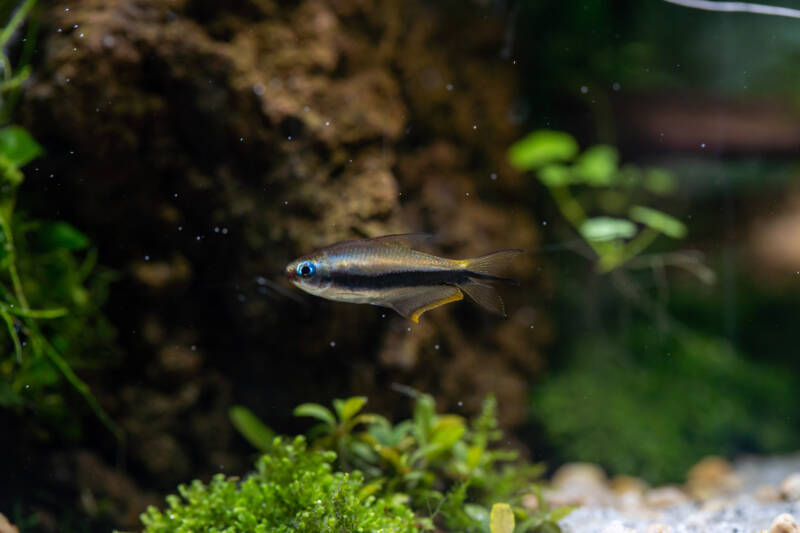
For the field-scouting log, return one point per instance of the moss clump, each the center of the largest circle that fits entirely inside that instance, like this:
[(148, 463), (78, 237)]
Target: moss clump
[(293, 490), (653, 405)]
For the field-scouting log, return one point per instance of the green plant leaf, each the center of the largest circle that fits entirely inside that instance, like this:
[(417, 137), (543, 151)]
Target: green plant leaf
[(447, 431), (598, 165), (315, 410), (347, 409), (560, 513), (501, 519), (9, 172), (556, 175), (669, 226), (60, 236), (251, 428), (602, 229), (474, 455), (18, 145), (542, 147)]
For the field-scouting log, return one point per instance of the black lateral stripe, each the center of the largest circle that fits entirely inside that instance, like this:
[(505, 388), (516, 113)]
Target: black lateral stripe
[(489, 277), (394, 280)]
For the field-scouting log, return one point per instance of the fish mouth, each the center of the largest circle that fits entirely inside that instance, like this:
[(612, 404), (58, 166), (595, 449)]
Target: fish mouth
[(291, 273)]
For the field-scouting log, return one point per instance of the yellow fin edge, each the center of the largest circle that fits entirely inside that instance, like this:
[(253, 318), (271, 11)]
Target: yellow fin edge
[(454, 298)]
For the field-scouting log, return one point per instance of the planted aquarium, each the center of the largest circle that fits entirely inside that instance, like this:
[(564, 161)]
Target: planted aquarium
[(355, 266)]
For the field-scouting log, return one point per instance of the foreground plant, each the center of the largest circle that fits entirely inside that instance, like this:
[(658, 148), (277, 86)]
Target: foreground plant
[(294, 489), (447, 469)]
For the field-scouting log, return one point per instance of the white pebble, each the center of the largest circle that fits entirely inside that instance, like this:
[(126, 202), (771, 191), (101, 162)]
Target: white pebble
[(790, 487), (784, 523), (617, 527)]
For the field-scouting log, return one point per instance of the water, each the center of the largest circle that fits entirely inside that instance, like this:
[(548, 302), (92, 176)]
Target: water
[(649, 174)]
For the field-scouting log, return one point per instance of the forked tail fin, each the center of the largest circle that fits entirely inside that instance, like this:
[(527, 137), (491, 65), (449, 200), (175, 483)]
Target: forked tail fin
[(487, 267)]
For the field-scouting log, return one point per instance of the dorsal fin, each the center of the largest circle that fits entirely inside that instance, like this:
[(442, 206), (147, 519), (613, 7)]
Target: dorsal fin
[(404, 240)]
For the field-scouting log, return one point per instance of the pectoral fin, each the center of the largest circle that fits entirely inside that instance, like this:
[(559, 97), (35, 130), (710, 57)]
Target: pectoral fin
[(411, 302)]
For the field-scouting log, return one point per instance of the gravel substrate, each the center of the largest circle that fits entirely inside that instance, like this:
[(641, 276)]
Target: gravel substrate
[(746, 515), (755, 505)]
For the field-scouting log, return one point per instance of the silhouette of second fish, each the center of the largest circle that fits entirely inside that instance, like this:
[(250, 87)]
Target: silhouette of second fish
[(386, 271)]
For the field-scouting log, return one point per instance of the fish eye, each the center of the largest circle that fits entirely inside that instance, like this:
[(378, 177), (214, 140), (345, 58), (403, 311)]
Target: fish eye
[(306, 269)]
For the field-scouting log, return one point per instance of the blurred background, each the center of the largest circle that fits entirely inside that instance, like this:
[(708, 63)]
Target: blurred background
[(644, 154)]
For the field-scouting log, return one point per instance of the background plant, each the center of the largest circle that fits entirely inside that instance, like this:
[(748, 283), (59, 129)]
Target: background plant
[(50, 288), (606, 210), (639, 402)]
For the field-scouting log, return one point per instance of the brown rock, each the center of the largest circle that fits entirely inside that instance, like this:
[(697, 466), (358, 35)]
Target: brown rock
[(6, 526), (790, 487), (665, 496), (579, 484), (623, 484), (711, 477)]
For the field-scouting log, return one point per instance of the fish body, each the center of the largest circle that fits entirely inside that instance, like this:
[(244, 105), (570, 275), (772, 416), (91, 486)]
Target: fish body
[(387, 272)]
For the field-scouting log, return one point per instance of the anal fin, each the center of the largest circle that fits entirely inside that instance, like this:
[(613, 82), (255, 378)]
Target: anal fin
[(485, 296), (411, 302)]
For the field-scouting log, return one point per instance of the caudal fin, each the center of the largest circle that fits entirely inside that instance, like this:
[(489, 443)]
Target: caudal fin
[(488, 267)]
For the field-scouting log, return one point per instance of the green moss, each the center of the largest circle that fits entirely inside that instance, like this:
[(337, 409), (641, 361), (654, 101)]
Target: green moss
[(293, 490), (652, 403)]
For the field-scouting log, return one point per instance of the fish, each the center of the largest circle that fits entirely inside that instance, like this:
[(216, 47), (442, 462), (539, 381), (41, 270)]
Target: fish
[(386, 271)]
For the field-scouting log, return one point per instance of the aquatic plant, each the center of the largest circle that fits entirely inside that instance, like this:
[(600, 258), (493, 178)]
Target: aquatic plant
[(625, 228), (654, 404), (446, 468), (50, 288), (292, 489)]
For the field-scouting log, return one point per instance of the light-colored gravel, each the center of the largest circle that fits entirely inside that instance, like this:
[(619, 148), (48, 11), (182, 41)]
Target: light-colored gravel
[(754, 495)]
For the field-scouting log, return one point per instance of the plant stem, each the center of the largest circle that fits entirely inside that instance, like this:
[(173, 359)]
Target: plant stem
[(631, 249), (15, 21), (12, 265)]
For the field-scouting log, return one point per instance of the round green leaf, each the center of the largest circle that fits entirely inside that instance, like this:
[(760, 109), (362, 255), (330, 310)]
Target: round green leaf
[(542, 147), (18, 145), (60, 235), (598, 165), (601, 229), (555, 175), (662, 222)]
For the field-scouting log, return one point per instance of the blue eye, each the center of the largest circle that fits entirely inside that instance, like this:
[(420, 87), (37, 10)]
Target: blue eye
[(306, 269)]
